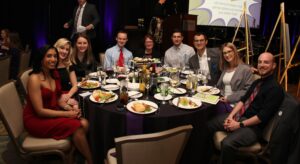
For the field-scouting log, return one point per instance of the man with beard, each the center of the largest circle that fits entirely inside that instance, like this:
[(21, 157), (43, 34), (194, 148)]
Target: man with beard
[(248, 118)]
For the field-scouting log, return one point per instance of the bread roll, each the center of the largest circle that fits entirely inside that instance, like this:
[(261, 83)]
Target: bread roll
[(139, 107)]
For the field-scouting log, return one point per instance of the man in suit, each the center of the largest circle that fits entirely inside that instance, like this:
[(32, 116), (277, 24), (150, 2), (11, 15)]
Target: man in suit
[(206, 59), (85, 18)]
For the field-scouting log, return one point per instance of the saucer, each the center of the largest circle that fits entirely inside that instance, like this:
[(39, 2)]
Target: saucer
[(159, 97)]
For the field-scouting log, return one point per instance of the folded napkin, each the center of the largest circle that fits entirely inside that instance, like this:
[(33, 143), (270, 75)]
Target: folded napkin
[(211, 99)]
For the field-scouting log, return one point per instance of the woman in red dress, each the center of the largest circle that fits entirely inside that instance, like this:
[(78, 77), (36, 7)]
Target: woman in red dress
[(45, 116)]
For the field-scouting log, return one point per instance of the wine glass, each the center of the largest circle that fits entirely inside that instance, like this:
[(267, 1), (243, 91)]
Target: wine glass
[(147, 86), (99, 70), (204, 77), (164, 87)]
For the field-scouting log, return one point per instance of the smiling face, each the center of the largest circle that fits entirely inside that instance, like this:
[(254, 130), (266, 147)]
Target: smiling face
[(149, 44), (64, 51), (121, 39), (266, 64), (228, 54), (177, 38), (50, 59), (82, 44), (200, 42)]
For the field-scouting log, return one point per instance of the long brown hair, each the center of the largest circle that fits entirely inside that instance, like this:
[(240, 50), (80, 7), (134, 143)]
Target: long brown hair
[(88, 55), (236, 61)]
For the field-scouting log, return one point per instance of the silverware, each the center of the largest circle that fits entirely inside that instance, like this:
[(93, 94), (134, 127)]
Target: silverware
[(178, 90), (135, 94), (112, 96)]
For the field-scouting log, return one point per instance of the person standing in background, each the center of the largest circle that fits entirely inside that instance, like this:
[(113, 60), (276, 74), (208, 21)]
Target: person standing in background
[(85, 19)]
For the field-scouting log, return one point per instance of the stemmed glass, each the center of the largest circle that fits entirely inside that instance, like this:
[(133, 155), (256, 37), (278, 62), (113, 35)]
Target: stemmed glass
[(204, 78), (99, 71), (164, 87), (147, 86)]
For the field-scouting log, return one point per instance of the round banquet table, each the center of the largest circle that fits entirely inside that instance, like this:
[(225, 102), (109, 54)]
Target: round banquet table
[(107, 123)]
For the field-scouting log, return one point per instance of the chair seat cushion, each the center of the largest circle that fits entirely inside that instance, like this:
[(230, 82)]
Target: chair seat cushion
[(31, 143), (110, 158), (220, 135)]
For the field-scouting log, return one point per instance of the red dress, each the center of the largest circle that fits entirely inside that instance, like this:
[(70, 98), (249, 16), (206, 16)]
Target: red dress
[(47, 127)]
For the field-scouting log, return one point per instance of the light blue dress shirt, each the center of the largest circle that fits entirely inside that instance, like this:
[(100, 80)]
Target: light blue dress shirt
[(112, 56)]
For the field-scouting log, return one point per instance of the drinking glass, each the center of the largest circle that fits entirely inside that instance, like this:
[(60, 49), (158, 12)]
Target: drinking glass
[(164, 87), (99, 71), (123, 92), (174, 79)]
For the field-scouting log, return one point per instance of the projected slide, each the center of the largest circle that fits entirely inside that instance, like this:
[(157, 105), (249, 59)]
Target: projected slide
[(225, 12)]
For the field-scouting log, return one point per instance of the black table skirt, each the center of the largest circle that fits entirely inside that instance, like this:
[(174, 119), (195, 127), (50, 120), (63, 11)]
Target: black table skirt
[(106, 123)]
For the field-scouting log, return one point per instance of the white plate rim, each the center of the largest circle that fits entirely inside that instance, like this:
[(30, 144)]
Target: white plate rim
[(111, 85), (112, 81), (197, 101), (216, 90), (136, 96), (187, 72), (98, 84), (183, 91), (169, 97), (128, 106), (112, 100)]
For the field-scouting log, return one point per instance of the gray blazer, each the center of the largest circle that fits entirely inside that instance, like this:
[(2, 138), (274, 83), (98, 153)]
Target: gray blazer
[(89, 16), (213, 55), (240, 83)]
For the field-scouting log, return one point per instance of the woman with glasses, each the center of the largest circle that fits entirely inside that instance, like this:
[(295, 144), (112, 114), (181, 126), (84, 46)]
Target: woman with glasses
[(235, 79)]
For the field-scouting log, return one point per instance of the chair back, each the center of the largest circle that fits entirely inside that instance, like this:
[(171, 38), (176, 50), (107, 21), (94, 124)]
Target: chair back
[(11, 110), (23, 78), (24, 60), (164, 147), (4, 69)]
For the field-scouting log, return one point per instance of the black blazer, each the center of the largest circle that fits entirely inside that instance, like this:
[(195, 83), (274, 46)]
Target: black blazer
[(213, 55), (89, 16)]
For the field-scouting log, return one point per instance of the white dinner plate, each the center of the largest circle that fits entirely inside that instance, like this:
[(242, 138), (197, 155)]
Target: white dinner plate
[(153, 106), (208, 90), (163, 79), (110, 87), (187, 72), (135, 94), (183, 81), (113, 97), (178, 91), (133, 86), (95, 74), (112, 81), (189, 100), (159, 97), (89, 84)]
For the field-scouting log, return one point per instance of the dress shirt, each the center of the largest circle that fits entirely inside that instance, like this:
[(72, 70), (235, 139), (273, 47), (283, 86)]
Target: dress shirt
[(177, 56), (79, 22), (266, 102), (112, 56), (203, 63)]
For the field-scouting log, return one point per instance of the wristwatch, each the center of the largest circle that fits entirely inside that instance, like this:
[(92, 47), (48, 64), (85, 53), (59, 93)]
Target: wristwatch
[(242, 125)]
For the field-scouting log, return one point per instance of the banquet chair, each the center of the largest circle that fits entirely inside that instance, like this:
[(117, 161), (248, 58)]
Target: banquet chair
[(24, 60), (163, 147), (4, 69), (27, 146), (259, 149), (23, 79)]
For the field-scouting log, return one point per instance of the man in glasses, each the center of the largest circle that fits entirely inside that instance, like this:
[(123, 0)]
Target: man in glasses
[(206, 59)]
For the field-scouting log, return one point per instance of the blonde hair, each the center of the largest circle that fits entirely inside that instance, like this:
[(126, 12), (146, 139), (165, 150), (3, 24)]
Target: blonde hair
[(236, 61), (62, 42)]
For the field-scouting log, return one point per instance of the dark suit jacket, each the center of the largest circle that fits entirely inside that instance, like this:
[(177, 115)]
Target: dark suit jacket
[(213, 55), (89, 16)]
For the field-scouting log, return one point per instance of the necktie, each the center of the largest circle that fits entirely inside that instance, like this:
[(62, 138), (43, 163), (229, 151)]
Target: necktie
[(249, 100), (76, 18), (121, 59)]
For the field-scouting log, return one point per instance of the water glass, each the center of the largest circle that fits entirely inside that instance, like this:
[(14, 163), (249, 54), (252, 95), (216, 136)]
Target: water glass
[(164, 87)]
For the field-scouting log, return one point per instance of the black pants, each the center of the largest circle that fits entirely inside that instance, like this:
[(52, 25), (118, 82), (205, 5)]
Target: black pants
[(239, 138)]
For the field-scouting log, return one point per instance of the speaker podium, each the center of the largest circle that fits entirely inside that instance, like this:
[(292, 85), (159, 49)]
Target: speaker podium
[(185, 22)]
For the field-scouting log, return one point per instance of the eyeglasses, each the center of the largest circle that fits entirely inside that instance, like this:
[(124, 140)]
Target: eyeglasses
[(227, 52), (201, 40)]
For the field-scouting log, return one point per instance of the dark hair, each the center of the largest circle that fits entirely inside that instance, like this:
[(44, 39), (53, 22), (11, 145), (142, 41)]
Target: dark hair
[(177, 30), (148, 36), (38, 58), (121, 31), (200, 33)]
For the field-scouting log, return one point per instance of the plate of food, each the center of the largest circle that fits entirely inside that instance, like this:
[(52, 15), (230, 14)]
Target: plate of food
[(99, 96), (187, 72), (138, 60), (163, 79), (135, 94), (110, 87), (177, 91), (142, 107), (208, 90), (88, 84), (112, 81), (187, 102)]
